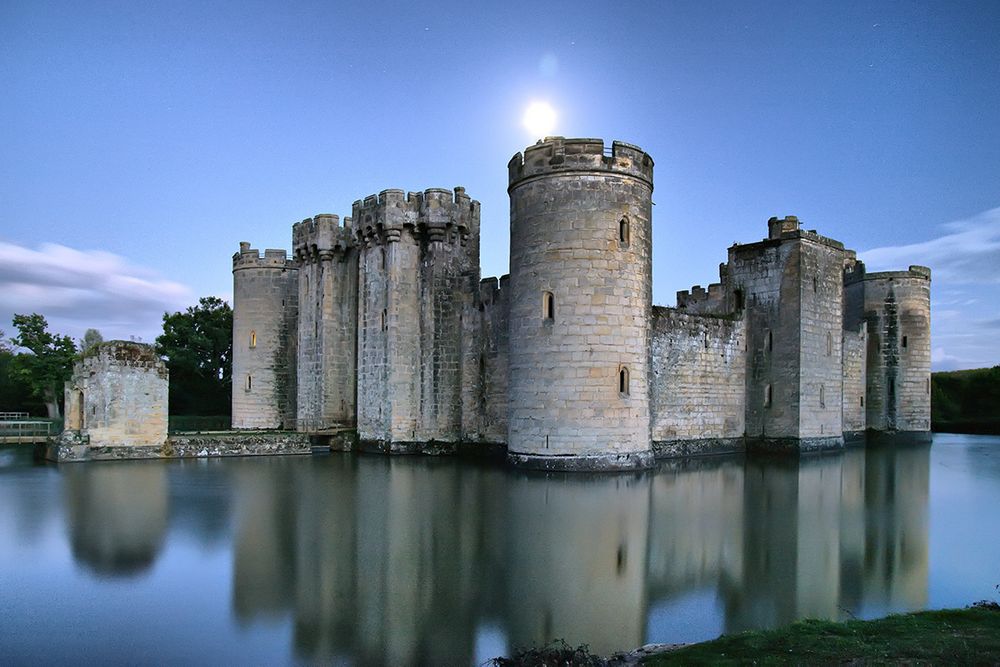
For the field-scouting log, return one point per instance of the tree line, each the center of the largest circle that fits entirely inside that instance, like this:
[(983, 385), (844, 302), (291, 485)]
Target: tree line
[(966, 401), (197, 345)]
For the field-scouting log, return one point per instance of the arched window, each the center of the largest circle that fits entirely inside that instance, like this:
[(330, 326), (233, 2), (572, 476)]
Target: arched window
[(767, 396), (253, 339), (623, 380), (548, 306), (770, 341), (623, 232)]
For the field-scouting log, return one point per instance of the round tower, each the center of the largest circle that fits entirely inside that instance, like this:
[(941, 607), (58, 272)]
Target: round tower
[(581, 295), (265, 308), (897, 307)]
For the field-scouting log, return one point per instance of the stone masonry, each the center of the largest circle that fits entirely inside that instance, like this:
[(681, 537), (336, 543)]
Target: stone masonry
[(385, 325), (117, 396)]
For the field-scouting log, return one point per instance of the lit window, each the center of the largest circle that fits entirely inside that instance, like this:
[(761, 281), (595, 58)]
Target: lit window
[(253, 339)]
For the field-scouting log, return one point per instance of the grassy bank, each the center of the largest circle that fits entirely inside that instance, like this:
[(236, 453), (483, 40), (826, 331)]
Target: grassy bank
[(943, 637), (949, 636)]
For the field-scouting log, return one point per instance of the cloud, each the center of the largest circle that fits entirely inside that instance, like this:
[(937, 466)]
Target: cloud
[(965, 288), (80, 289), (970, 253)]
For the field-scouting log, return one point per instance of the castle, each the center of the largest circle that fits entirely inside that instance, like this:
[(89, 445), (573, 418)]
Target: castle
[(381, 322)]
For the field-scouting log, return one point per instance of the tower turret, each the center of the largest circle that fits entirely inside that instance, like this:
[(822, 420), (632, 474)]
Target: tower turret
[(581, 294), (265, 310)]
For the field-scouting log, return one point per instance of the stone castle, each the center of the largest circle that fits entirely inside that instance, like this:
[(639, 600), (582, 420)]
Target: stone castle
[(381, 322)]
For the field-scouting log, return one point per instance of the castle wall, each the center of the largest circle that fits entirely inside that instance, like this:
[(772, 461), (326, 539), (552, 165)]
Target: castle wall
[(117, 395), (570, 207), (697, 383), (418, 268), (855, 344), (491, 396), (326, 363), (791, 284), (896, 307), (265, 315)]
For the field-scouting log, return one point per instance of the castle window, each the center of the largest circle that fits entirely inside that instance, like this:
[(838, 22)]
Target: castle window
[(815, 284), (249, 382), (738, 299), (767, 396), (623, 232), (770, 341), (822, 397), (829, 344), (623, 381), (862, 401), (904, 341), (548, 306), (928, 385), (253, 339)]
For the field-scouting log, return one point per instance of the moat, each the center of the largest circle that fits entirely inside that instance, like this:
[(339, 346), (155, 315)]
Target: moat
[(357, 559)]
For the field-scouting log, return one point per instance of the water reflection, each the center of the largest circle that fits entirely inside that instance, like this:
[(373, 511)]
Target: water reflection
[(375, 560), (116, 514)]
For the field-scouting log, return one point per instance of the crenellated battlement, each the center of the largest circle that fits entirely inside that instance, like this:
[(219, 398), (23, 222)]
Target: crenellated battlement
[(443, 215), (554, 155), (855, 272), (321, 236), (251, 258)]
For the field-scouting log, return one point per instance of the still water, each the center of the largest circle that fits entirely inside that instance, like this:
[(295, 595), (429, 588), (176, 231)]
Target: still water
[(371, 560)]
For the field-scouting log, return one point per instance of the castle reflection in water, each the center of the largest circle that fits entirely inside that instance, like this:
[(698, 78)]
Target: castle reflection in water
[(406, 560)]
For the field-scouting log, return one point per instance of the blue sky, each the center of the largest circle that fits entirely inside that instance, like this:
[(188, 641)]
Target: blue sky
[(140, 142)]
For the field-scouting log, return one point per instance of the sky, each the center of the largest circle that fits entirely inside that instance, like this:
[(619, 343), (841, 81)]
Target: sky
[(140, 142)]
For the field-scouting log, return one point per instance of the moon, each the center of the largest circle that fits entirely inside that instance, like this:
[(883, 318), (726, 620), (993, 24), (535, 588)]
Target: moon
[(539, 119)]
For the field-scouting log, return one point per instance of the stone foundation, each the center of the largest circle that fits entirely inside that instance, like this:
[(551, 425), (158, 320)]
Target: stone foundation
[(672, 449), (593, 463), (794, 445), (179, 446)]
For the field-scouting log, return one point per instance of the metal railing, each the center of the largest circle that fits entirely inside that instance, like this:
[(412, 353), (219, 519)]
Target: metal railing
[(13, 416)]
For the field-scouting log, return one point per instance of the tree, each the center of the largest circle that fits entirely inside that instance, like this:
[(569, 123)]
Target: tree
[(50, 363), (198, 347), (91, 338)]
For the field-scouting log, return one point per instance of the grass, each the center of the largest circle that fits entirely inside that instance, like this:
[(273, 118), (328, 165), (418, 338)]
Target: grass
[(949, 636)]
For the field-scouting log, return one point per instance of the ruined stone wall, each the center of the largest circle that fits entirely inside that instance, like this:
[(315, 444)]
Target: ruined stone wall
[(117, 395), (896, 307), (326, 363), (697, 382), (580, 236), (265, 314), (490, 410), (417, 275), (716, 300), (855, 344)]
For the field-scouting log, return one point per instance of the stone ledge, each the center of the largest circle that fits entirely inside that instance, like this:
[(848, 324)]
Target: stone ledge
[(681, 448), (589, 463), (794, 445), (185, 446)]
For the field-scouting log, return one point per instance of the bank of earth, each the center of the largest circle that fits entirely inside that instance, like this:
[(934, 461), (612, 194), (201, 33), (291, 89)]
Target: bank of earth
[(942, 637)]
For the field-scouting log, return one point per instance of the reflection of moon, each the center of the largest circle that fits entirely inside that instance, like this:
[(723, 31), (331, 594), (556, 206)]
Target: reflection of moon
[(540, 118)]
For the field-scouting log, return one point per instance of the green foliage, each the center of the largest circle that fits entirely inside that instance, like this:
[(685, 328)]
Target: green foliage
[(556, 654), (966, 401), (198, 347), (50, 363), (949, 636)]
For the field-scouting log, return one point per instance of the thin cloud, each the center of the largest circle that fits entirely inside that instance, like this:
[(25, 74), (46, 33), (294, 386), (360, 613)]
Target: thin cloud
[(970, 253), (79, 289), (965, 288)]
